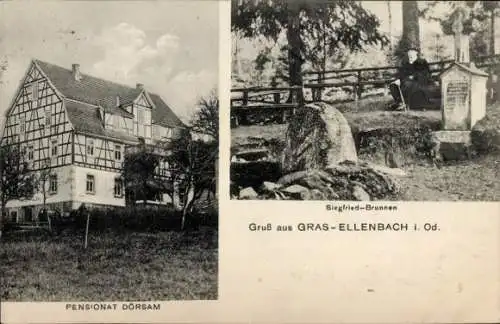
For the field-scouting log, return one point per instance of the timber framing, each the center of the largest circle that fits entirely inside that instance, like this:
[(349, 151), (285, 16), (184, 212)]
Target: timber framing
[(74, 125)]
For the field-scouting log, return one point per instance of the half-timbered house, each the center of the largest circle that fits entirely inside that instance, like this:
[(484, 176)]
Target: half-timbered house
[(77, 127)]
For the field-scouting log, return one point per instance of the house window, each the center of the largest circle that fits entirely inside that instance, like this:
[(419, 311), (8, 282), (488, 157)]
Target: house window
[(118, 187), (53, 183), (140, 116), (22, 125), (90, 185), (90, 147), (33, 94), (48, 116), (30, 153), (118, 152), (54, 148), (34, 91)]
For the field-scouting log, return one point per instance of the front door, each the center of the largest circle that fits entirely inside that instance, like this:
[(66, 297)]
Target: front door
[(28, 214)]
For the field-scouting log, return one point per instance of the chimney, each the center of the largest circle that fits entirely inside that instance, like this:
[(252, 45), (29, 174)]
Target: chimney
[(76, 72), (139, 86)]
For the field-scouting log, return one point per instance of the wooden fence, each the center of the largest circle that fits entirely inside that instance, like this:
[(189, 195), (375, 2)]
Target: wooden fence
[(356, 83)]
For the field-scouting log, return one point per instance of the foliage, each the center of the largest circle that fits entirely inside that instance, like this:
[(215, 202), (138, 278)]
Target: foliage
[(485, 134), (408, 144), (196, 161), (343, 25), (475, 12), (138, 173), (4, 64), (478, 21), (17, 182), (206, 117)]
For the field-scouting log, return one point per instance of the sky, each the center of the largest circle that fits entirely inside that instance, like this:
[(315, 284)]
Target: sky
[(169, 46)]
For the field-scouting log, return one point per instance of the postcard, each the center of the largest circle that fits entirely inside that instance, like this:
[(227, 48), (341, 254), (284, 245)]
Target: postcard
[(245, 161)]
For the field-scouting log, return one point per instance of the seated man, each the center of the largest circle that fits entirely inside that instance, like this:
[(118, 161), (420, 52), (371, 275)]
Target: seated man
[(414, 76)]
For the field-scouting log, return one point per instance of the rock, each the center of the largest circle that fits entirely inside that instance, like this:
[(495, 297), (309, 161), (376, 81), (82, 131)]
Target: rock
[(452, 145), (295, 189), (270, 186), (248, 193), (390, 171), (360, 194), (297, 192), (318, 135), (316, 194)]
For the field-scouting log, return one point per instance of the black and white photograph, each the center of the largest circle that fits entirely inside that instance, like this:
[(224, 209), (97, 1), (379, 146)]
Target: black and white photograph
[(365, 100), (109, 151)]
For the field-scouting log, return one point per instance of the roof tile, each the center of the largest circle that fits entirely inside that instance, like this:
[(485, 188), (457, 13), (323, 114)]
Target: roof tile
[(104, 93)]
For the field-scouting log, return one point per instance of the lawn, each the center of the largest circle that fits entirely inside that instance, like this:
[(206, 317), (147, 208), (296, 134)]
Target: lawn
[(116, 266)]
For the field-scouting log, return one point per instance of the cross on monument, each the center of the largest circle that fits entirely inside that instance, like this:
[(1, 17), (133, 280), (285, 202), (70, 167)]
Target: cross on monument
[(461, 40)]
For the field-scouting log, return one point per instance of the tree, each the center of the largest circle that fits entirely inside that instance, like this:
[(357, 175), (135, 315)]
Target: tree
[(17, 182), (479, 21), (389, 11), (206, 117), (411, 28), (344, 24), (138, 174), (194, 162), (4, 64), (43, 178)]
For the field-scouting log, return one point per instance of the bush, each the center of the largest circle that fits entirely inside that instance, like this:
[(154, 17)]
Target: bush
[(411, 143), (485, 136), (135, 219)]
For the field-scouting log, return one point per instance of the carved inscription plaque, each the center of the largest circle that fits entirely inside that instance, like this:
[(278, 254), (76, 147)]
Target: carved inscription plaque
[(456, 107)]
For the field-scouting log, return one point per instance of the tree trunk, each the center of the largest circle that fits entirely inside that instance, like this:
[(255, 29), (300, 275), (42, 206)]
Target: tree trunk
[(185, 206), (2, 216), (492, 33), (411, 28), (295, 45), (390, 23)]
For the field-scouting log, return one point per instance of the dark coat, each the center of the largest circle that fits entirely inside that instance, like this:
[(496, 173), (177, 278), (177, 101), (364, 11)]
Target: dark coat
[(419, 69)]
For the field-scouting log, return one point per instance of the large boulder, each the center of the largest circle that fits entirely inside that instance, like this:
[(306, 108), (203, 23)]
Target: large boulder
[(318, 136)]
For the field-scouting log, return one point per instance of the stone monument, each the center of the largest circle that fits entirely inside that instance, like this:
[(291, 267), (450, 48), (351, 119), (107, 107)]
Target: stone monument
[(463, 90)]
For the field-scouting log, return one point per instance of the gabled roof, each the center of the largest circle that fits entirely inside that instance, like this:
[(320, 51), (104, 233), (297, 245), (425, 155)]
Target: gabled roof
[(472, 69), (104, 93), (86, 119)]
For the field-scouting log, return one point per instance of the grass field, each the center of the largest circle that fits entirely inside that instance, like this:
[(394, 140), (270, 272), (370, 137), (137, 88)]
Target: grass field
[(119, 267)]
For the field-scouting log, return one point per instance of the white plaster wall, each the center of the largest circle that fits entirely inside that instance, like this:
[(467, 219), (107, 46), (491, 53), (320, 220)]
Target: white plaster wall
[(104, 187), (64, 189)]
